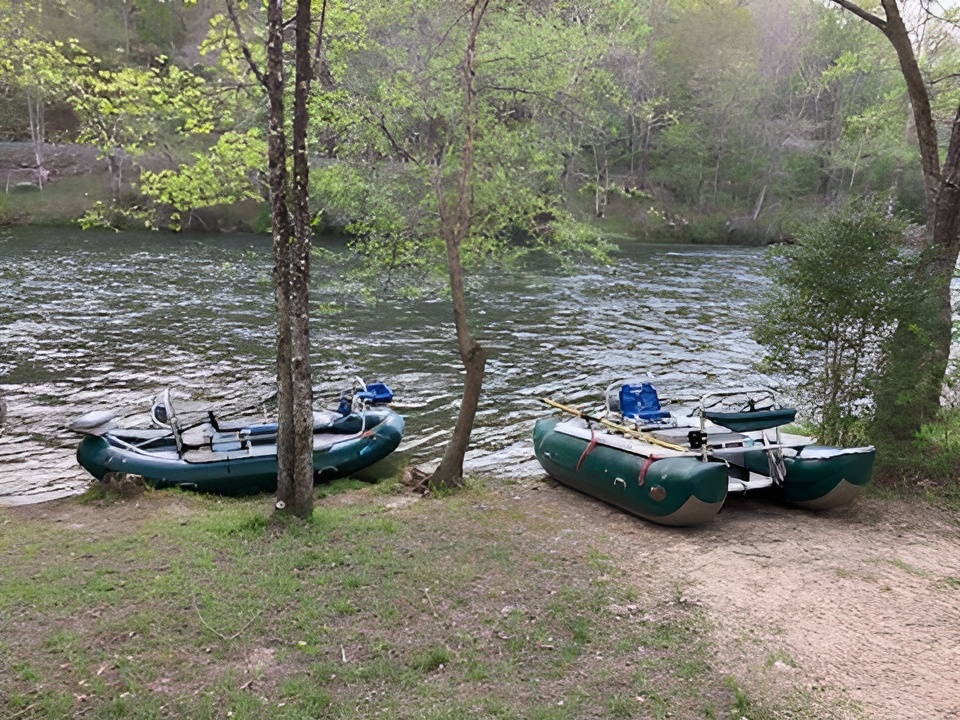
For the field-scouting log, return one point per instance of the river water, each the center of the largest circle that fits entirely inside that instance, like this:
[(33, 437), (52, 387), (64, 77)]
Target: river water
[(92, 320)]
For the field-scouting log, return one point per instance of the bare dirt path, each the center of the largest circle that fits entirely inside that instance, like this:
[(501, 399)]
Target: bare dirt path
[(859, 605)]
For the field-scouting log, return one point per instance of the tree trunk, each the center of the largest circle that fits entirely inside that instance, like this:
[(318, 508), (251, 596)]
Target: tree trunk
[(645, 156), (759, 206), (290, 212), (302, 497), (3, 409), (115, 162), (455, 226), (37, 133), (450, 471), (910, 390), (277, 155)]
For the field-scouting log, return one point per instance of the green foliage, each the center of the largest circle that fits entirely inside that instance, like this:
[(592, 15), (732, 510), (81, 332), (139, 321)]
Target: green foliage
[(937, 450), (157, 24), (224, 174), (682, 161), (830, 312), (697, 108), (130, 108), (399, 120), (431, 659)]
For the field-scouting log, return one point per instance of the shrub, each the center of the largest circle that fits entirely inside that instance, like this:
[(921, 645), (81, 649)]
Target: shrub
[(830, 311)]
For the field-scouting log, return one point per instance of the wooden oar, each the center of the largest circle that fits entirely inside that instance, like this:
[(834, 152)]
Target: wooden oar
[(627, 431)]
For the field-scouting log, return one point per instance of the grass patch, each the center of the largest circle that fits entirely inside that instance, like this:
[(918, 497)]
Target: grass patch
[(907, 567), (780, 657), (187, 606)]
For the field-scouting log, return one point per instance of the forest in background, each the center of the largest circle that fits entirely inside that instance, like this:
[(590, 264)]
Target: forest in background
[(700, 120)]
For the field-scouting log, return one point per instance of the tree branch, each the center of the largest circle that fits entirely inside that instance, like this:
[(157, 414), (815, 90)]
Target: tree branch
[(318, 49), (244, 48), (382, 124), (863, 14), (945, 77)]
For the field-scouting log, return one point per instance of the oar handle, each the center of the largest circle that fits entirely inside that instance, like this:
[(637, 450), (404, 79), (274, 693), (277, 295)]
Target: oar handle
[(630, 432)]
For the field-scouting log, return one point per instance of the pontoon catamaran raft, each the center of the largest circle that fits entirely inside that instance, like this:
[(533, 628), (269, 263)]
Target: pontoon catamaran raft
[(677, 468)]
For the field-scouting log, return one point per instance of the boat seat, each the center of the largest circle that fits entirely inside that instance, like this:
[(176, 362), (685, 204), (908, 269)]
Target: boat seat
[(174, 422), (641, 403), (723, 439), (321, 419), (751, 420), (206, 454)]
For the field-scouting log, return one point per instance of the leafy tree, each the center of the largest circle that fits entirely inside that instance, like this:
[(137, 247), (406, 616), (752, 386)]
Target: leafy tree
[(441, 165), (609, 106), (708, 53), (127, 111), (830, 312), (456, 206), (910, 394), (36, 67), (289, 172)]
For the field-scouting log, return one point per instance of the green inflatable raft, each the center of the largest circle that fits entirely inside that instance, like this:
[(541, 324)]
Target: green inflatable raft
[(655, 483)]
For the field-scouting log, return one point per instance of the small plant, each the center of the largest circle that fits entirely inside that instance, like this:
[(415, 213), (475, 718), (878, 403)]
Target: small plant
[(938, 445), (742, 705), (907, 567), (621, 706), (433, 658)]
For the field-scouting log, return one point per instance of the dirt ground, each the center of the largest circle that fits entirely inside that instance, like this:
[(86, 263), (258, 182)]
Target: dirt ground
[(859, 604), (857, 608)]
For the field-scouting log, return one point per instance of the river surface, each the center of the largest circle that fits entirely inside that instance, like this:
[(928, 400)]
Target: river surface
[(92, 320)]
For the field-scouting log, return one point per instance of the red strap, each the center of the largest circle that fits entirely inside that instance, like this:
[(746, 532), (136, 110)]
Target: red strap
[(590, 446), (646, 466)]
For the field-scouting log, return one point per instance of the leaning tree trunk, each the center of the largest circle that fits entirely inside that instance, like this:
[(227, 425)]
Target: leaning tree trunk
[(450, 471), (456, 228)]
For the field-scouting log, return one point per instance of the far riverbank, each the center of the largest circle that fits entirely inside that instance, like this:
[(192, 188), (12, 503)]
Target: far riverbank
[(75, 177)]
